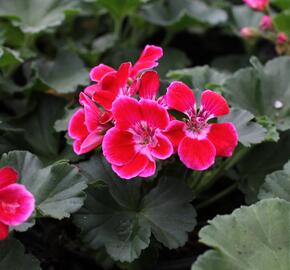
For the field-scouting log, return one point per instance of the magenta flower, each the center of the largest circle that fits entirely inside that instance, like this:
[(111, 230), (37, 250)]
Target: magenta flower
[(16, 202), (259, 5), (266, 23), (282, 38), (137, 141), (112, 83), (197, 141), (88, 126)]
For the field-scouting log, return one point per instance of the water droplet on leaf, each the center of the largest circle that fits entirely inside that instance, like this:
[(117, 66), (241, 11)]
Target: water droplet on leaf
[(278, 104)]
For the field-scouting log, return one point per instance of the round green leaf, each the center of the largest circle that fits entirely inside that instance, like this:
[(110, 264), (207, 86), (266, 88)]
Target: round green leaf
[(251, 238), (34, 16), (65, 73), (58, 188), (13, 256), (249, 132), (277, 184), (121, 218)]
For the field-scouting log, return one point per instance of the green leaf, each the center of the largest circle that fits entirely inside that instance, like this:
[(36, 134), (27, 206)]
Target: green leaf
[(65, 73), (263, 90), (172, 59), (166, 13), (62, 123), (272, 134), (34, 16), (277, 184), (13, 256), (245, 17), (282, 21), (284, 4), (120, 218), (199, 77), (212, 260), (9, 57), (58, 188), (262, 159), (249, 131), (120, 9), (251, 238)]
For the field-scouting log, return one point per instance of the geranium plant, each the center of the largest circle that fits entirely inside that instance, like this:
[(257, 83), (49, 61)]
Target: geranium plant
[(147, 134)]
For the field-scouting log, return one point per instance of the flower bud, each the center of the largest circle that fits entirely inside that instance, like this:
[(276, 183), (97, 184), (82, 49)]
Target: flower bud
[(249, 32), (266, 23), (281, 38)]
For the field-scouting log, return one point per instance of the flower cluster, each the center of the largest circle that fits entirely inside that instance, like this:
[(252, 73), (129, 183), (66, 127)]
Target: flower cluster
[(267, 29), (123, 113), (16, 202)]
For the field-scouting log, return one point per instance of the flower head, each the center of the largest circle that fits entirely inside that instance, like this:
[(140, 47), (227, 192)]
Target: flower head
[(112, 83), (258, 5), (16, 202), (137, 141), (88, 126), (266, 23), (282, 38), (196, 140)]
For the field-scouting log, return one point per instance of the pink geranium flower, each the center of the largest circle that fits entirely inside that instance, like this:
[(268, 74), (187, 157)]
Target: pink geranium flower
[(137, 141), (281, 38), (258, 5), (16, 202), (112, 83), (88, 126), (197, 141), (266, 23)]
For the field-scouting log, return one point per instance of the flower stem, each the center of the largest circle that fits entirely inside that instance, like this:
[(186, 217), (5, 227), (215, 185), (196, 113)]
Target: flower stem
[(217, 197)]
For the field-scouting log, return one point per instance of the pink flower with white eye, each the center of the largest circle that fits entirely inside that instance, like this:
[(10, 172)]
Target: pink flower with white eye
[(266, 23), (259, 5), (112, 83), (88, 126), (281, 38), (136, 142), (197, 141), (16, 202)]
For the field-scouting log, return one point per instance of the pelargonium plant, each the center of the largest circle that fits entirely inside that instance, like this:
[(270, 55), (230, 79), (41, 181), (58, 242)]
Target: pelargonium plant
[(124, 114)]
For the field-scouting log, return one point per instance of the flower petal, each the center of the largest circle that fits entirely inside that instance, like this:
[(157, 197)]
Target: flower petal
[(181, 98), (119, 147), (224, 136), (148, 59), (123, 75), (132, 169), (154, 114), (4, 231), (127, 112), (196, 154), (76, 126), (98, 72), (91, 89), (149, 169), (175, 133), (213, 104), (91, 142), (164, 148), (149, 85), (92, 113), (17, 204), (8, 176), (105, 98)]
